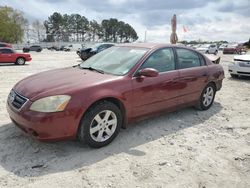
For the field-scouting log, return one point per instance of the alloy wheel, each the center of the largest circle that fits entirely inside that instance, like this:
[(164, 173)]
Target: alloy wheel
[(208, 96), (103, 126), (20, 61)]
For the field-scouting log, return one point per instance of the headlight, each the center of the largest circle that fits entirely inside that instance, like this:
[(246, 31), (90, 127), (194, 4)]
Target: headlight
[(51, 104)]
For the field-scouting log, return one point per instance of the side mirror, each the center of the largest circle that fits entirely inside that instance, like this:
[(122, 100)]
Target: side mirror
[(148, 72)]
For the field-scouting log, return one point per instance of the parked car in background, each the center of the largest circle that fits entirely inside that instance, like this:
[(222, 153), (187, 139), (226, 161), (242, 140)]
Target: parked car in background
[(93, 100), (240, 66), (8, 55), (4, 44), (52, 48), (89, 51), (233, 49), (208, 49), (75, 47), (196, 46), (66, 48), (222, 46), (35, 48)]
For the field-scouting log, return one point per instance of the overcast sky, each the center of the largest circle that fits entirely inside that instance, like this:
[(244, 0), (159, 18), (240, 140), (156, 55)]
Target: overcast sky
[(203, 19)]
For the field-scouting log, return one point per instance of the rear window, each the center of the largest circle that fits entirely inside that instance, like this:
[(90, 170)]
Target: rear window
[(6, 51)]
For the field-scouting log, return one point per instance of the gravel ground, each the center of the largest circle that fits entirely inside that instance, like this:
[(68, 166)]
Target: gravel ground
[(186, 148)]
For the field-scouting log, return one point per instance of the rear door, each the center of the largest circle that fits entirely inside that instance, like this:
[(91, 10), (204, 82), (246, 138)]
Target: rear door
[(193, 74), (152, 94)]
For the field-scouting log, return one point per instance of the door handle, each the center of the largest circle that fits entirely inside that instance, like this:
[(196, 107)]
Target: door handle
[(171, 82)]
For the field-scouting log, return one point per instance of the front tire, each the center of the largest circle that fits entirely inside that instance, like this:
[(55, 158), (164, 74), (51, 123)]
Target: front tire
[(100, 125), (207, 97), (234, 75), (20, 61)]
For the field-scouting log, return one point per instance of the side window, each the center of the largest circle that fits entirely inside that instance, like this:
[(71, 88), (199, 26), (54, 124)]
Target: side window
[(162, 60), (187, 58), (101, 48), (202, 60), (6, 51), (2, 45)]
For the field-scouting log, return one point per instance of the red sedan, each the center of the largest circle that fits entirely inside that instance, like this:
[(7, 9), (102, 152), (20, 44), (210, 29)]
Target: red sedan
[(4, 44), (93, 100), (233, 49), (8, 55)]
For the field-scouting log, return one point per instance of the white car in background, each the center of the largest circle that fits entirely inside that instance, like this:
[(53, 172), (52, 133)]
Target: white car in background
[(208, 49), (241, 65)]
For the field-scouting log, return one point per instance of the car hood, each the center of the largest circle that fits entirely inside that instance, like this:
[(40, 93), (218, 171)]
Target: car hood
[(59, 81), (242, 57)]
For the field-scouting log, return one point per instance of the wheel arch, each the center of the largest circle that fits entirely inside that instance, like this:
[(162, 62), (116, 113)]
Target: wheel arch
[(214, 84), (115, 101), (20, 57)]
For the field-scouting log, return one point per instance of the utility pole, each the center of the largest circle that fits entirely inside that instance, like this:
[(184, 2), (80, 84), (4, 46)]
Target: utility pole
[(145, 36)]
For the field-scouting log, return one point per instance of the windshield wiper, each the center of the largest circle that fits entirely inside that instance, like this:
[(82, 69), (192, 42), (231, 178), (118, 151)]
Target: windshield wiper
[(93, 69)]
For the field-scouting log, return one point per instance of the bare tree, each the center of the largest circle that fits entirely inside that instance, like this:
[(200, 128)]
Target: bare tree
[(38, 29)]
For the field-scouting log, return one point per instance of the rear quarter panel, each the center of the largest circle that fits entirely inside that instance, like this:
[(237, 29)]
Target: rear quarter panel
[(216, 75)]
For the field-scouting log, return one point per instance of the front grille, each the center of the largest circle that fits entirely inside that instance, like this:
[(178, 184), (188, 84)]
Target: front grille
[(16, 100), (243, 72), (244, 64)]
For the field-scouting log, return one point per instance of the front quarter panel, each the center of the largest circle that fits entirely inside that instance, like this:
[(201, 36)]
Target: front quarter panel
[(119, 89)]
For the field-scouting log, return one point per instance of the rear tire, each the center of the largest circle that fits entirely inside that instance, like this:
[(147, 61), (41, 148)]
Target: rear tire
[(207, 97), (100, 125), (20, 61)]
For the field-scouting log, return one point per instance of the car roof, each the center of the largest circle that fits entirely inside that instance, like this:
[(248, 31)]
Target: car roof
[(6, 48), (151, 45)]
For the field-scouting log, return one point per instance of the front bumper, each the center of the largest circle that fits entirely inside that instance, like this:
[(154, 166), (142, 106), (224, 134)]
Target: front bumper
[(45, 126), (237, 70)]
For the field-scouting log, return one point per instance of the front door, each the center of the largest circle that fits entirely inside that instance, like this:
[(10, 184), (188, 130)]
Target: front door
[(5, 55), (152, 94)]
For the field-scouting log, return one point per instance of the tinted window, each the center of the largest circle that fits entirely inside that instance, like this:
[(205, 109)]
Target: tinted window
[(102, 47), (2, 45), (161, 60), (187, 58), (202, 60), (6, 51)]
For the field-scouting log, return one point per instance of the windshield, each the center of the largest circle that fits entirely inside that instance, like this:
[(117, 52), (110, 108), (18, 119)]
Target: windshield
[(115, 60), (93, 46)]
